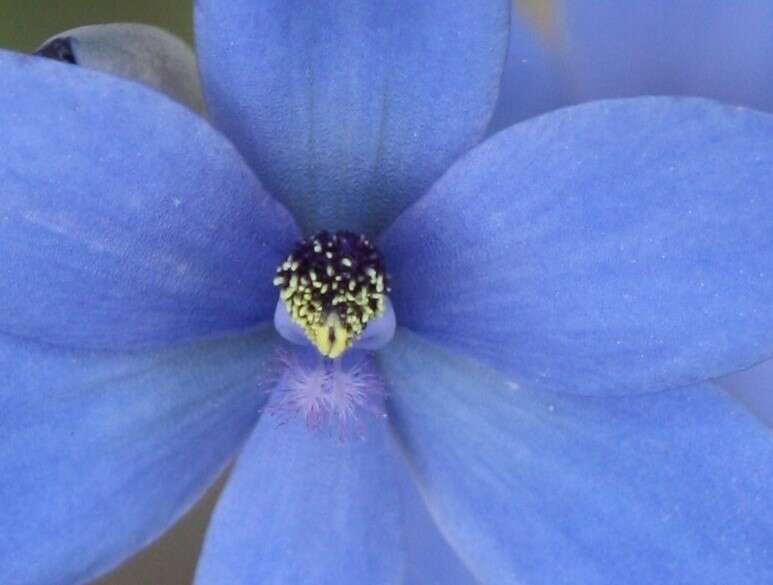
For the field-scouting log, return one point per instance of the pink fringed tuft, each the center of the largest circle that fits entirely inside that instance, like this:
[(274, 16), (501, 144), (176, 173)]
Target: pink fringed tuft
[(328, 395)]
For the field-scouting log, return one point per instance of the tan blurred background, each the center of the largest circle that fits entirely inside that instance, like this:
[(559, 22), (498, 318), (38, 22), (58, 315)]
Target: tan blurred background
[(24, 24)]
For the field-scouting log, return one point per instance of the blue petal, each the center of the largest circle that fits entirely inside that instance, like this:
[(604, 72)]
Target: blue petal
[(615, 247), (126, 220), (539, 487), (429, 559), (305, 507), (348, 110), (101, 452), (753, 387), (532, 81), (710, 48)]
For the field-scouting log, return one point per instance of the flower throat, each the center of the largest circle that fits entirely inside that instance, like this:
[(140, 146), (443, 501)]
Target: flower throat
[(332, 285)]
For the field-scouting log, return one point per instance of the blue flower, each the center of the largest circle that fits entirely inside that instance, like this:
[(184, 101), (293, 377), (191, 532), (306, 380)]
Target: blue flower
[(564, 293), (605, 49)]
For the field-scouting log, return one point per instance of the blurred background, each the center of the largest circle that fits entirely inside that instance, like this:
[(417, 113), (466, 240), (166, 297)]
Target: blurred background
[(24, 25)]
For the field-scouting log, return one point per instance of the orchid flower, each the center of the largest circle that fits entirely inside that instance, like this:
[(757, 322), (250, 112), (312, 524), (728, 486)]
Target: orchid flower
[(321, 269)]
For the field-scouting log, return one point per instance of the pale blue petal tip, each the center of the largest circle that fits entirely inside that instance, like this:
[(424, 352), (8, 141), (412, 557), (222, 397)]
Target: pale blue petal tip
[(707, 48), (532, 82)]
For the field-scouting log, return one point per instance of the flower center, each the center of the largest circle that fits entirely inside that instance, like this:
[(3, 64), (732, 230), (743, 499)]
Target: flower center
[(332, 286)]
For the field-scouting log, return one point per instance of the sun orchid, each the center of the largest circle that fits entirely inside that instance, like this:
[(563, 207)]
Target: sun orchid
[(329, 273)]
